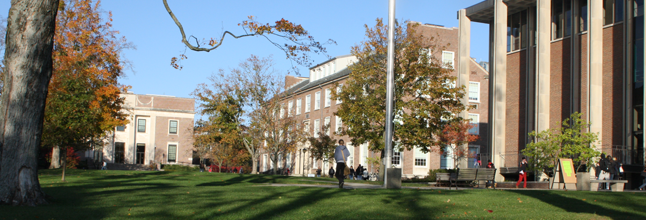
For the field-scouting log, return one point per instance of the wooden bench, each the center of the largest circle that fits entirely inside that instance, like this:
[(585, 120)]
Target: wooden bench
[(442, 177), (485, 174), (463, 175), (472, 174), (615, 185)]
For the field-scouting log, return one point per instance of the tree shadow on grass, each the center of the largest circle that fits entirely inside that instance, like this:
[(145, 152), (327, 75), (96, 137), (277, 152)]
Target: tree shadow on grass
[(599, 203)]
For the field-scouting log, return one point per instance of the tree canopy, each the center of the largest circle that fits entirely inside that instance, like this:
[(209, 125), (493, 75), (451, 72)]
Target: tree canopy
[(83, 101), (425, 95)]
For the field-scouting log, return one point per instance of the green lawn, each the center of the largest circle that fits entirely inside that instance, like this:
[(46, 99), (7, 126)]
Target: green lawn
[(193, 195)]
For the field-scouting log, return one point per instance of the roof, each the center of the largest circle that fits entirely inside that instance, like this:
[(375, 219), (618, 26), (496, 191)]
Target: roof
[(483, 12), (306, 84)]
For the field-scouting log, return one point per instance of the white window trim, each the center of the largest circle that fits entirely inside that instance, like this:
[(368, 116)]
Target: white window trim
[(290, 107), (328, 97), (415, 157), (477, 122), (298, 106), (317, 100), (177, 120), (452, 59), (145, 125), (478, 97), (338, 93), (308, 103), (317, 127), (326, 122), (176, 152)]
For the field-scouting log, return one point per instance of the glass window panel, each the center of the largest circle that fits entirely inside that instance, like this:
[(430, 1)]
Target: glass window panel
[(308, 103), (619, 10), (568, 17), (173, 127), (608, 12), (523, 29), (141, 125), (583, 12), (172, 153), (121, 128)]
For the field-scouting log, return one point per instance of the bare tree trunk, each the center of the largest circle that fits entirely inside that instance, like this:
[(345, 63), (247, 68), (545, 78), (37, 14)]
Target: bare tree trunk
[(56, 158), (254, 164), (28, 56), (64, 159)]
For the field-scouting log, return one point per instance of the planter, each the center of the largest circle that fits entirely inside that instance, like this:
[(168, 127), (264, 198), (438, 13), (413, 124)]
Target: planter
[(583, 181)]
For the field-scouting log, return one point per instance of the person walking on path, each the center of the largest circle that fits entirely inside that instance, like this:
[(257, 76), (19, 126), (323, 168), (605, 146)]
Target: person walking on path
[(105, 166), (522, 173), (352, 172), (331, 172), (318, 172), (341, 154)]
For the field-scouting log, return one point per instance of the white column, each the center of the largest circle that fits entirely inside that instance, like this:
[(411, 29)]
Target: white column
[(499, 73), (543, 20), (464, 49), (595, 69)]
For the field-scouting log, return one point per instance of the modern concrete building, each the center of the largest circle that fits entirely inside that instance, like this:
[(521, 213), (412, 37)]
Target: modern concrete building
[(160, 131), (311, 102), (550, 58)]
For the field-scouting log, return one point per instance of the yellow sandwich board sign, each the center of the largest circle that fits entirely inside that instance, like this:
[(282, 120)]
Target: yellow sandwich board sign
[(567, 171)]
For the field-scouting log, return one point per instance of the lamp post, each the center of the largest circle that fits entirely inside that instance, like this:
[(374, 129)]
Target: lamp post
[(388, 136)]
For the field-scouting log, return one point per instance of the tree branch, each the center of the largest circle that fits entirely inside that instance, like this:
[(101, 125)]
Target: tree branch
[(198, 48)]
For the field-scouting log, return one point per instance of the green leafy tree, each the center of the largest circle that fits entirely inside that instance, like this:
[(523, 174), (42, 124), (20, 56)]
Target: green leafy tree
[(323, 146), (570, 140), (425, 96)]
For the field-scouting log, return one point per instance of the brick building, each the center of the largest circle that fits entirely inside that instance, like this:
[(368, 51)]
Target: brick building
[(160, 131), (311, 102), (550, 58)]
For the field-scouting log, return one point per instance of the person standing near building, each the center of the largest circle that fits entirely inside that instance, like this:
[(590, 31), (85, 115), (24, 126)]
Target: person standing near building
[(318, 172), (341, 154), (359, 172), (522, 173), (105, 166), (331, 172)]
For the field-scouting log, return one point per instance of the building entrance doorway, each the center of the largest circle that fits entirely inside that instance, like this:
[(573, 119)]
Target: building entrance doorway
[(119, 152), (141, 150)]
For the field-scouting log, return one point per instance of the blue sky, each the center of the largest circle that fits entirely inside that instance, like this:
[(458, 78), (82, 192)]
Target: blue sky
[(148, 26)]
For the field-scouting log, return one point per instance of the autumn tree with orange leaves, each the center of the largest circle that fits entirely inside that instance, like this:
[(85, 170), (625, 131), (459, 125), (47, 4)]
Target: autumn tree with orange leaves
[(297, 43), (83, 103), (453, 138)]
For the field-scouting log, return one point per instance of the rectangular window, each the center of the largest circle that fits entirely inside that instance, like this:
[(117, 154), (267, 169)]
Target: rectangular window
[(474, 91), (474, 154), (317, 127), (264, 162), (420, 158), (328, 98), (446, 159), (557, 19), (119, 152), (339, 124), (396, 159), (424, 52), (290, 108), (474, 118), (298, 106), (448, 60), (315, 165), (517, 31), (306, 126), (338, 94), (141, 125), (608, 11), (567, 19), (172, 153), (282, 110), (121, 128), (583, 15), (172, 128), (327, 125), (308, 103), (317, 101)]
